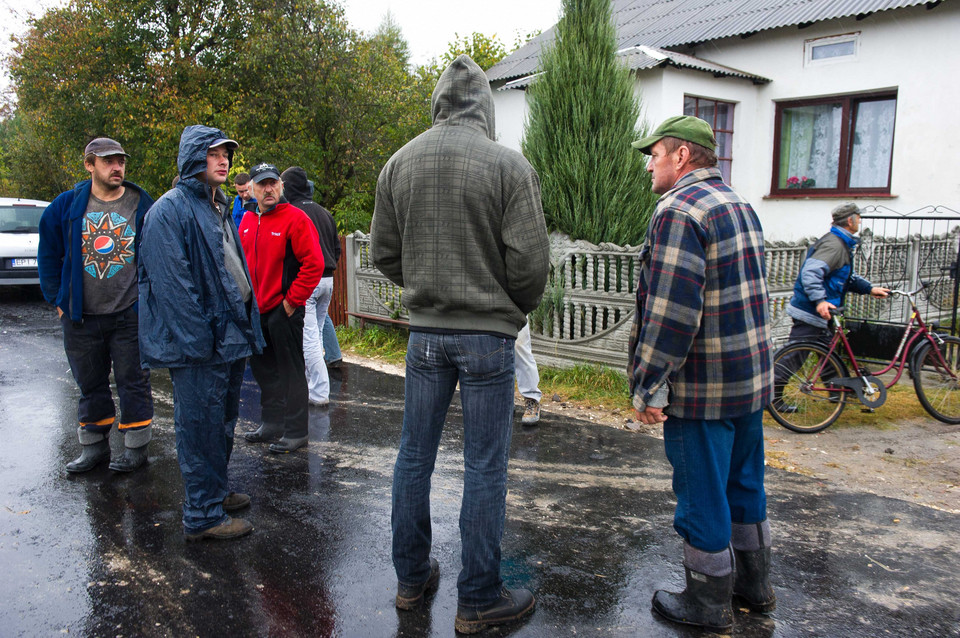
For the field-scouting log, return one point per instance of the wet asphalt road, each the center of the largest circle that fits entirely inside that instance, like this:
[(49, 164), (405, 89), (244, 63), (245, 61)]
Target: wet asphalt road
[(588, 528)]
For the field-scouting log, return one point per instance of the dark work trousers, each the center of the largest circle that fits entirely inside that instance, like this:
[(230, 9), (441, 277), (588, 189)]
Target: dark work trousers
[(95, 345), (801, 331), (206, 403), (280, 372)]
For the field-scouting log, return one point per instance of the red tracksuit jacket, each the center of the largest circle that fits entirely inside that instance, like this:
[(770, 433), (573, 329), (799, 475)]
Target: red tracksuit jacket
[(283, 255)]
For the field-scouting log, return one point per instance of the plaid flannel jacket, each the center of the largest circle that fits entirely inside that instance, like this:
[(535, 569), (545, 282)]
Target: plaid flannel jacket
[(701, 318)]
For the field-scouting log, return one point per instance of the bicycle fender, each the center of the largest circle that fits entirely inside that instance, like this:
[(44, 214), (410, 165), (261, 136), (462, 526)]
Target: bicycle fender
[(856, 384)]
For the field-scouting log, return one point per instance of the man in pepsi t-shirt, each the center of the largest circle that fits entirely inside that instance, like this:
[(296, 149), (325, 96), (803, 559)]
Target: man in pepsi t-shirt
[(88, 270)]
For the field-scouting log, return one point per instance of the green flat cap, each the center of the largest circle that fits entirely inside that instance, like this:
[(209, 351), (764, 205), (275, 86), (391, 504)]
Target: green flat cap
[(682, 127)]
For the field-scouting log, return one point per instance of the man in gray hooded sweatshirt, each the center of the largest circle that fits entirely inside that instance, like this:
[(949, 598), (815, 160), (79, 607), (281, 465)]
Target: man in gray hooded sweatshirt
[(458, 224)]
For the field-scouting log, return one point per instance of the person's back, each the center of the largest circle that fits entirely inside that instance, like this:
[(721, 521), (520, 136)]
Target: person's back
[(450, 198), (458, 223)]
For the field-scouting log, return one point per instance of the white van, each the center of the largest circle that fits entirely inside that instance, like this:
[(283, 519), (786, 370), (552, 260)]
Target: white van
[(19, 239)]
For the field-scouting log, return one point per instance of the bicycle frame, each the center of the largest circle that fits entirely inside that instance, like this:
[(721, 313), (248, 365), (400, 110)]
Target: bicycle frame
[(911, 334)]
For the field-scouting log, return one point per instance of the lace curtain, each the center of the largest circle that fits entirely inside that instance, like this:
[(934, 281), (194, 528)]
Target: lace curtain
[(810, 146), (872, 144)]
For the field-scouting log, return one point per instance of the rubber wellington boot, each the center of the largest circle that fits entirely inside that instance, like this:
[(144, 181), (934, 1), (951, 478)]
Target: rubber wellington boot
[(751, 549), (90, 457), (265, 433), (704, 603), (133, 457), (287, 445)]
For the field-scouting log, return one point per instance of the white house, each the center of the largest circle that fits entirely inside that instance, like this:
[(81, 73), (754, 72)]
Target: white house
[(813, 102)]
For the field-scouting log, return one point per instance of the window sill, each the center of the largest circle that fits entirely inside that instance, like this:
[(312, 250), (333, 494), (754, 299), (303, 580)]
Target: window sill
[(857, 195)]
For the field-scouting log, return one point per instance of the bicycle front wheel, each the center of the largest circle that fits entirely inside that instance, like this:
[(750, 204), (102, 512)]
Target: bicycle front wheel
[(803, 399), (936, 378)]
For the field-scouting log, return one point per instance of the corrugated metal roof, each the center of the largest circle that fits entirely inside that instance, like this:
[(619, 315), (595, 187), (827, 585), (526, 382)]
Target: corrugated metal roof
[(644, 57), (673, 23)]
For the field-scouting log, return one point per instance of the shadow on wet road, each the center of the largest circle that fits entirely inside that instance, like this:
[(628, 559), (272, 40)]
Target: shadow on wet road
[(589, 517)]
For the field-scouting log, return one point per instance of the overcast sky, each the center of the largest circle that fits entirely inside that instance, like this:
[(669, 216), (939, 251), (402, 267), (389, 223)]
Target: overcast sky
[(428, 25)]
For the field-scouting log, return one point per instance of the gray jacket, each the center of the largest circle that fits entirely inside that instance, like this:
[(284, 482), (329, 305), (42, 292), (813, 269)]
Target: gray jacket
[(458, 221)]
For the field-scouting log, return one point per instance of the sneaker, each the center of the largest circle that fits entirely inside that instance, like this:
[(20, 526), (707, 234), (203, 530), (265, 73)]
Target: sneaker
[(322, 403), (230, 528), (336, 363), (531, 411), (410, 596), (512, 605), (235, 501)]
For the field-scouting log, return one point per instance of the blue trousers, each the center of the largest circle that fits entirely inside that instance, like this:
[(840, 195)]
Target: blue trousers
[(483, 366), (331, 347), (717, 476), (206, 403)]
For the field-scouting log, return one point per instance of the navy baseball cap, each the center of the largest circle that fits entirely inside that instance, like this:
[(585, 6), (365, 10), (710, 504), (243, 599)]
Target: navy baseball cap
[(263, 171)]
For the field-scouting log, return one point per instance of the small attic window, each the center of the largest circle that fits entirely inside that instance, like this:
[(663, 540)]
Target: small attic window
[(838, 48)]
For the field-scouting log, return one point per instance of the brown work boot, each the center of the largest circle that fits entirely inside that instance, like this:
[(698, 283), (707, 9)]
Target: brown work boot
[(230, 528), (512, 605), (410, 596), (235, 501)]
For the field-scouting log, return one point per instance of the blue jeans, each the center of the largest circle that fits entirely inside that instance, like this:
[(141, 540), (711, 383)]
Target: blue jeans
[(717, 476), (206, 403), (483, 365), (331, 347)]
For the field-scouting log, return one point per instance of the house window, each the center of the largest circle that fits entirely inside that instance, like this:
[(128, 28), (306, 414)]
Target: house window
[(720, 116), (834, 146), (838, 48)]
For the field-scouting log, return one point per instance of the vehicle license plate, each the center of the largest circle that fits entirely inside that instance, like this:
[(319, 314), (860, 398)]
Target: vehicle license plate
[(23, 262)]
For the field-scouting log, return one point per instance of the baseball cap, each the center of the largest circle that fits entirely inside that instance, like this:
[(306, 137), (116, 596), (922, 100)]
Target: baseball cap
[(231, 144), (263, 171), (104, 147), (682, 127), (843, 211)]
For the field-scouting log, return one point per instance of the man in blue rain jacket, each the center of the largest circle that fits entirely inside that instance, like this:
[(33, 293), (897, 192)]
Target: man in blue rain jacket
[(198, 318)]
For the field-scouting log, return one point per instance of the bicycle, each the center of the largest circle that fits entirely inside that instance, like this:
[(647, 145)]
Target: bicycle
[(812, 383)]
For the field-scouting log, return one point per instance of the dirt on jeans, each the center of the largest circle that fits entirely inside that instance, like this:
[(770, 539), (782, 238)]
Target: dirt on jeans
[(917, 460)]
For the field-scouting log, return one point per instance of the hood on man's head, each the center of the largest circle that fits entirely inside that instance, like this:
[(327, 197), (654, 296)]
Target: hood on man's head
[(463, 96), (195, 141), (295, 184)]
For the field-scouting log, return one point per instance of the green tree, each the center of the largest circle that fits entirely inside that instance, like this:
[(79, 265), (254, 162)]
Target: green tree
[(289, 79), (583, 116), (137, 71), (484, 50)]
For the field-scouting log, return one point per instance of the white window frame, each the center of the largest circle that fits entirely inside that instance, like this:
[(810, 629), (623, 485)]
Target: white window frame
[(810, 45)]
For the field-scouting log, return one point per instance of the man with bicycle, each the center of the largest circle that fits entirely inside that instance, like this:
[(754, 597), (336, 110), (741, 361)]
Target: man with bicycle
[(826, 276)]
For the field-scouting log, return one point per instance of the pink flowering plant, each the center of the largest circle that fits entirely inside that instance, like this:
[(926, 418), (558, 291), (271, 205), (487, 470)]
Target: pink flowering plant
[(801, 182)]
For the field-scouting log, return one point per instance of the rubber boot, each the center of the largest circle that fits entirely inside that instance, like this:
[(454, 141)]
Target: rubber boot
[(287, 445), (266, 432), (706, 602), (133, 457), (751, 548), (92, 455)]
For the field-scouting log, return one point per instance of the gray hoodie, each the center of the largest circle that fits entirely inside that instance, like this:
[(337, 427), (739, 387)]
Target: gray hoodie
[(458, 221)]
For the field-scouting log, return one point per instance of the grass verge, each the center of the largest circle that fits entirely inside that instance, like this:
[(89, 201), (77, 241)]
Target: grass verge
[(600, 386)]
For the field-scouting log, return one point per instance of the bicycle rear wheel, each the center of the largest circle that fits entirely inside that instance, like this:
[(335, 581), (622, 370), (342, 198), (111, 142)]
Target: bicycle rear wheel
[(936, 378), (802, 400)]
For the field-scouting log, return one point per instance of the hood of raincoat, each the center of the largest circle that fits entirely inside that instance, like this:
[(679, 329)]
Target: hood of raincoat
[(194, 143), (463, 97), (296, 187)]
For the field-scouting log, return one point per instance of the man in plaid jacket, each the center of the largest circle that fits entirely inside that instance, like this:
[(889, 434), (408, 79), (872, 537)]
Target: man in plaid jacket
[(700, 364)]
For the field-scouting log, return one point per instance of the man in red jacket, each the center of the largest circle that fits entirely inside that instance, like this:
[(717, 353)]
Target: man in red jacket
[(286, 263)]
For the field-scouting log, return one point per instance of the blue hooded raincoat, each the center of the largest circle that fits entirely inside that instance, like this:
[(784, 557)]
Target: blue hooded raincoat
[(191, 309), (194, 321)]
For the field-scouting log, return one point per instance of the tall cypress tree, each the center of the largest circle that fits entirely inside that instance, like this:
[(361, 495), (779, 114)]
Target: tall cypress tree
[(583, 116)]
